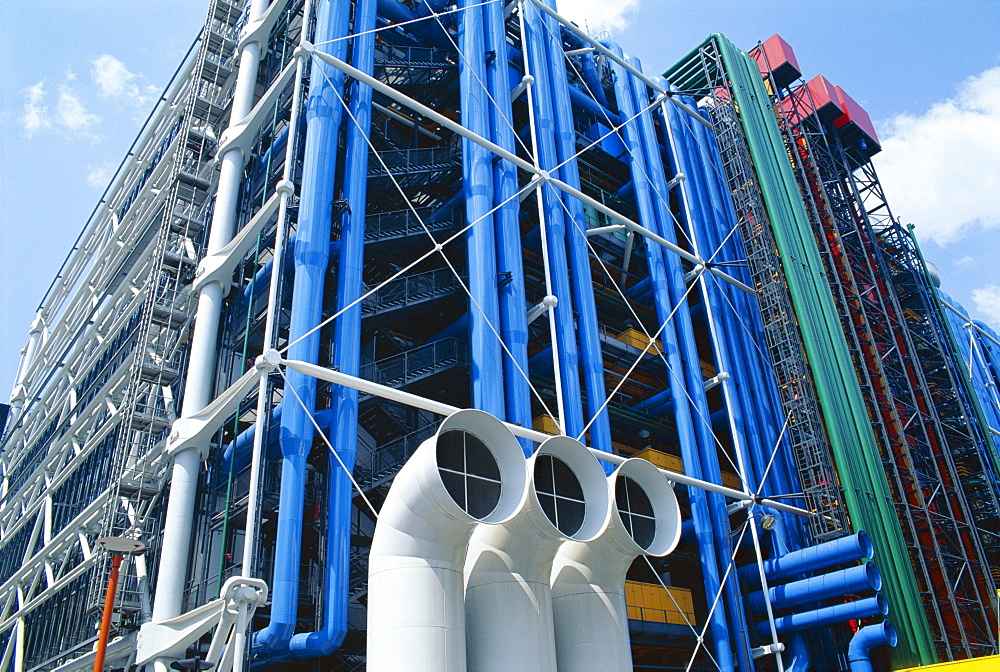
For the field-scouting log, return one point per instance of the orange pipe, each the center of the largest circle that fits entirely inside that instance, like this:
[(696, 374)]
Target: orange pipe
[(109, 607)]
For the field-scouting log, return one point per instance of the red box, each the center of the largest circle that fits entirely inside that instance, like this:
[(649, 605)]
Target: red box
[(854, 114), (777, 55), (825, 100)]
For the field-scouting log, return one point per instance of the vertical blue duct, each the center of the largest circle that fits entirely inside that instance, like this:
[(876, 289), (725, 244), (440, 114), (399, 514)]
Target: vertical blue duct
[(663, 224), (513, 304), (555, 223), (750, 379), (477, 182), (783, 478), (346, 351), (700, 513), (312, 244), (591, 358)]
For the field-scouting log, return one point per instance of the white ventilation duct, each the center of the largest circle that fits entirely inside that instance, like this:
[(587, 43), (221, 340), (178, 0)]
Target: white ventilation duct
[(471, 471), (588, 579), (508, 569)]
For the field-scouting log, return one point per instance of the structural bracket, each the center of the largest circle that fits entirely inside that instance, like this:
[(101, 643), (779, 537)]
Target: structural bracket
[(171, 638), (219, 266), (195, 431)]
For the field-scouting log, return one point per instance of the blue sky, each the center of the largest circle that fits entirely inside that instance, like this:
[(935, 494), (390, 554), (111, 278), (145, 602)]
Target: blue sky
[(77, 77)]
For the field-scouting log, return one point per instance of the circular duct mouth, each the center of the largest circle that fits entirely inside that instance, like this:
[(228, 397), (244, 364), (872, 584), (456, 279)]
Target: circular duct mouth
[(570, 488), (873, 575), (469, 472), (480, 465), (867, 548), (646, 507), (889, 631)]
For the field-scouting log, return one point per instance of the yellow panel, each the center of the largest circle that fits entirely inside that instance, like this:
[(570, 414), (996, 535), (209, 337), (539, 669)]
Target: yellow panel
[(634, 613), (662, 460), (654, 615), (987, 664), (637, 339), (544, 423), (731, 480)]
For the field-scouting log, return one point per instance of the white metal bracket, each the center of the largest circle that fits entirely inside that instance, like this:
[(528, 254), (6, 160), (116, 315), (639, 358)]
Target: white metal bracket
[(195, 431), (171, 638), (219, 266)]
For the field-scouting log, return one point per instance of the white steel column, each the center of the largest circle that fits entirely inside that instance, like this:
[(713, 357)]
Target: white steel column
[(176, 543)]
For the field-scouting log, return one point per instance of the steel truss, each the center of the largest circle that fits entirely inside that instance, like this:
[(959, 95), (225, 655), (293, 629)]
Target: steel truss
[(806, 434)]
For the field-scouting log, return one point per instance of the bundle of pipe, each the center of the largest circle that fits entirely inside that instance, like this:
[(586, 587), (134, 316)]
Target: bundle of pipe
[(696, 441), (831, 585), (324, 111), (588, 587), (507, 596), (471, 472)]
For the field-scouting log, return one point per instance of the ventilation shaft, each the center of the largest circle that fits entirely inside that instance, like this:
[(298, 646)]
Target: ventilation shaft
[(507, 597), (588, 578), (545, 544), (470, 472)]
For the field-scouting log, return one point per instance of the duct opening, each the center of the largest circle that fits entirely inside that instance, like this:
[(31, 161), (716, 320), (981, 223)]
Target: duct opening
[(560, 494), (635, 511), (469, 472)]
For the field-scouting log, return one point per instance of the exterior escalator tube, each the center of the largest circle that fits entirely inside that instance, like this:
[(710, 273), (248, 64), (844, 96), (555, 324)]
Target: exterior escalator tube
[(312, 244), (591, 359), (510, 268), (477, 182), (346, 351), (555, 229), (683, 419)]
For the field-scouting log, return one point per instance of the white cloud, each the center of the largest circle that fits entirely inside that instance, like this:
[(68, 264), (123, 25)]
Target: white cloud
[(598, 15), (987, 300), (940, 168), (70, 112), (964, 261), (73, 116), (36, 115), (111, 76), (114, 82), (98, 176)]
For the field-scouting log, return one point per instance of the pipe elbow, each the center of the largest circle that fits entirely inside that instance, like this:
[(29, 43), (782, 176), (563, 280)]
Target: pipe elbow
[(316, 644), (274, 638), (866, 639)]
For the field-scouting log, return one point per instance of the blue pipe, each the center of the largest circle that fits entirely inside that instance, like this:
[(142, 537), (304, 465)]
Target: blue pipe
[(427, 31), (759, 392), (312, 244), (512, 296), (593, 78), (477, 183), (700, 511), (241, 447), (850, 581), (346, 352), (825, 616), (591, 358), (555, 224), (263, 276), (812, 559), (866, 639)]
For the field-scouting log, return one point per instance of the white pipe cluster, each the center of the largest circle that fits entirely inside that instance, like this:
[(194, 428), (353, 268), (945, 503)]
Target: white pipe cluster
[(483, 560)]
